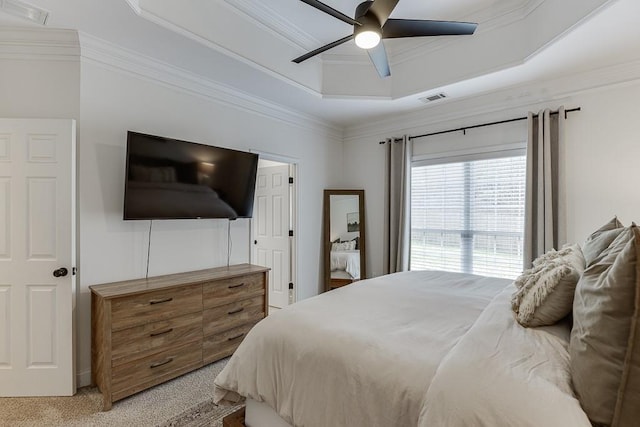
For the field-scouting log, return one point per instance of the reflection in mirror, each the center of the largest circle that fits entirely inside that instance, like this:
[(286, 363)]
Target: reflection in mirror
[(344, 238)]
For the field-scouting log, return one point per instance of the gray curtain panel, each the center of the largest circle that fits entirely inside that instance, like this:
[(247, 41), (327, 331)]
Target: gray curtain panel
[(546, 132), (397, 215)]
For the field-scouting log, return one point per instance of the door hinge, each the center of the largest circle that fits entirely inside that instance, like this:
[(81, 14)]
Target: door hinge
[(290, 180), (290, 233)]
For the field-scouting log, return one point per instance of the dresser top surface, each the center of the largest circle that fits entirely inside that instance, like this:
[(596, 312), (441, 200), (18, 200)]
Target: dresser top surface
[(135, 286)]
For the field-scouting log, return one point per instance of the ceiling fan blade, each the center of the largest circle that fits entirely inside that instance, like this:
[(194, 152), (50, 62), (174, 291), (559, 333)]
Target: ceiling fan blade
[(382, 9), (396, 28), (331, 11), (378, 56), (322, 49)]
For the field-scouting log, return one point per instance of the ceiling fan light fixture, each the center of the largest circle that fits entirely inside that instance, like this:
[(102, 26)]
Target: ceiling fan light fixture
[(371, 23), (367, 39)]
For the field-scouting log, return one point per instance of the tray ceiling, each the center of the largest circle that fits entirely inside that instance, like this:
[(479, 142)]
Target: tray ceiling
[(246, 46), (270, 34)]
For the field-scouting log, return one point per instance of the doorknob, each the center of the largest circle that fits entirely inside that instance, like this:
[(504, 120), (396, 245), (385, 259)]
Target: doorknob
[(61, 272)]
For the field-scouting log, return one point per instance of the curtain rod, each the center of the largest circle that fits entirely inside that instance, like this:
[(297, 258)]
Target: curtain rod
[(464, 129)]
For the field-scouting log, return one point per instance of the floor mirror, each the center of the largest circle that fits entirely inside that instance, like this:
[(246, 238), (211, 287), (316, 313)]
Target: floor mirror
[(344, 238)]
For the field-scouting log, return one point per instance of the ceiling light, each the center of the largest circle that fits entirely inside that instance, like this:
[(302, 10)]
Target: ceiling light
[(367, 39)]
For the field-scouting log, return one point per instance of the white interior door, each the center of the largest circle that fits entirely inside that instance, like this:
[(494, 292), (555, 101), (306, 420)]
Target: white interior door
[(37, 238), (271, 230)]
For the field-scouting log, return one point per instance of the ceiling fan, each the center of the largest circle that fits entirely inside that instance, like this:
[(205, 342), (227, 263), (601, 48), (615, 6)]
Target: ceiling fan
[(371, 24)]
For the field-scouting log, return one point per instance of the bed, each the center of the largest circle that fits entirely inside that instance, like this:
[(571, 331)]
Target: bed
[(421, 349), (447, 349), (345, 267)]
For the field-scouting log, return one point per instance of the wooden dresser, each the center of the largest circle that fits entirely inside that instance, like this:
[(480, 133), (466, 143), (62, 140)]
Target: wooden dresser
[(147, 331)]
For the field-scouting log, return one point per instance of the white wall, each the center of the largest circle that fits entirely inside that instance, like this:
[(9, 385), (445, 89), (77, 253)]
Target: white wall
[(340, 207), (112, 249), (599, 161), (39, 88)]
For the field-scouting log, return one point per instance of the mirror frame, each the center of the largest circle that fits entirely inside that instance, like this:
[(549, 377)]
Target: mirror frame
[(327, 233)]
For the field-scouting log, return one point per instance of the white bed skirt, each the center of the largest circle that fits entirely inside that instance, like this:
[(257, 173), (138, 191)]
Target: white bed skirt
[(258, 414)]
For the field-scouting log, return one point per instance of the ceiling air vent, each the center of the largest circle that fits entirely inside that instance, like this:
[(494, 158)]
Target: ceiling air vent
[(433, 97)]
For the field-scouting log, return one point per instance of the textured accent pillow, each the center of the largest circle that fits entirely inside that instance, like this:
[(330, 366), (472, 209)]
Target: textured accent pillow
[(545, 291), (600, 240), (605, 340)]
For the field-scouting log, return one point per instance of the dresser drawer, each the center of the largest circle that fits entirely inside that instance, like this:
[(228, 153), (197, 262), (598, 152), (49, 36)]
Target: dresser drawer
[(215, 347), (152, 306), (220, 319), (140, 341), (228, 290), (139, 374)]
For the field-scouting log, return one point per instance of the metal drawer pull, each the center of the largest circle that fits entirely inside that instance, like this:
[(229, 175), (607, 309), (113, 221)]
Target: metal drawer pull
[(235, 338), (160, 301), (155, 365), (236, 311), (155, 334), (236, 286)]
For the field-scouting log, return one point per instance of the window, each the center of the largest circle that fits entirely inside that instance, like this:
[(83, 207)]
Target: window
[(468, 216)]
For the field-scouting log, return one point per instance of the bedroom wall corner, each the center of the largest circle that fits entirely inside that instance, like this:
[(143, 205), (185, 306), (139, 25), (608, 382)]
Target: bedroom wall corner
[(600, 160)]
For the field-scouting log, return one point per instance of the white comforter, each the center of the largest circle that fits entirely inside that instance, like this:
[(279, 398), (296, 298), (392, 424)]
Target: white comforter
[(502, 374), (400, 350), (348, 261)]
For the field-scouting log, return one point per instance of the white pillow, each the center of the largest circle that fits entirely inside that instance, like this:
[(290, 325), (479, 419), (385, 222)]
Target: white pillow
[(344, 246), (545, 291)]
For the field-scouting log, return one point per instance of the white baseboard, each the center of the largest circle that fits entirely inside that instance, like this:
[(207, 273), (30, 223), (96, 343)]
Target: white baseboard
[(83, 379)]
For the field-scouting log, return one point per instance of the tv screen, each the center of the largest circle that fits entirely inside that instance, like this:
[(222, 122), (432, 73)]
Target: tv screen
[(172, 179)]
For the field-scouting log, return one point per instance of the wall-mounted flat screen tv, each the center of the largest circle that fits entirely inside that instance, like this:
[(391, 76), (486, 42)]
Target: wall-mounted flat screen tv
[(172, 179)]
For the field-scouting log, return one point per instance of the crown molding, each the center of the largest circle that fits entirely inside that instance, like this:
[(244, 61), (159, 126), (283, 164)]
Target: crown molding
[(265, 17), (515, 98), (242, 57), (120, 59), (135, 5), (32, 43)]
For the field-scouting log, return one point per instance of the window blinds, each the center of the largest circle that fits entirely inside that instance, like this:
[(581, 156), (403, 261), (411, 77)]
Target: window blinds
[(469, 216)]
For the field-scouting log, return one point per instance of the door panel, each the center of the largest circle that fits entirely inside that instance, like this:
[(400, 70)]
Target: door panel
[(5, 218), (271, 230), (5, 326), (37, 223), (41, 322), (279, 269), (41, 223)]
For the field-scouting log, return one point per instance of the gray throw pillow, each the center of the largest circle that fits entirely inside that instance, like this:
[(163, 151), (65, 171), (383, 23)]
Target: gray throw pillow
[(545, 291), (605, 340), (600, 240)]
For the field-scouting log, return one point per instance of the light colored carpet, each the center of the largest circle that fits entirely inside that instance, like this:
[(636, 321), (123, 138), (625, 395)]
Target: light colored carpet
[(183, 402)]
